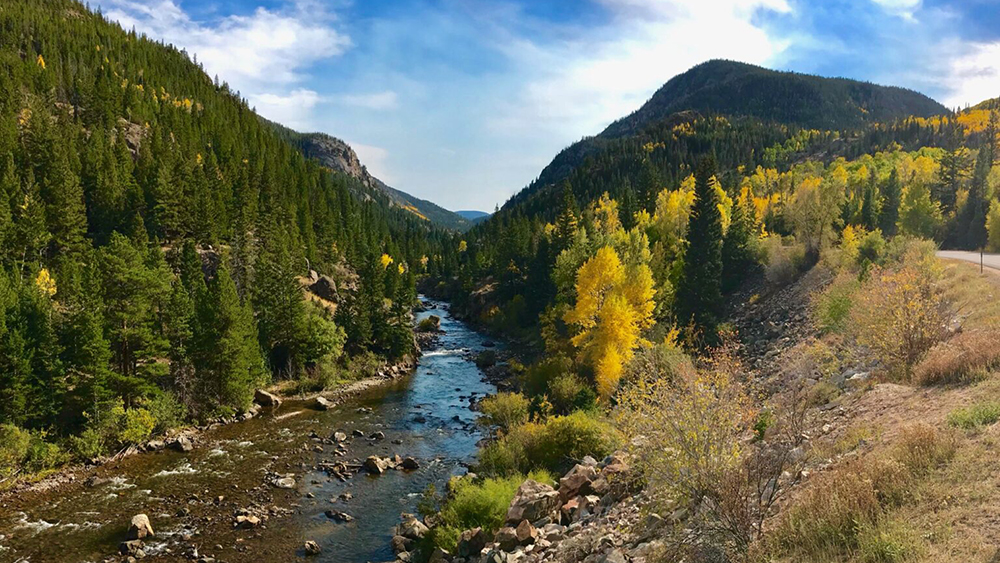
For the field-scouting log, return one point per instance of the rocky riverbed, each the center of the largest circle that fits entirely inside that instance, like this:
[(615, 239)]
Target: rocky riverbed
[(338, 475)]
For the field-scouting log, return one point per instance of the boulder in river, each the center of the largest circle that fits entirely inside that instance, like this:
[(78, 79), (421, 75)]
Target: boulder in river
[(412, 528), (285, 482), (379, 435), (311, 548), (321, 404), (375, 465), (182, 444), (409, 464), (265, 399), (338, 516), (131, 548), (140, 527), (401, 543)]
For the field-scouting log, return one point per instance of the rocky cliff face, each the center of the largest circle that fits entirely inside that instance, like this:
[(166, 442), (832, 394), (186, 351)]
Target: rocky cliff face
[(337, 155)]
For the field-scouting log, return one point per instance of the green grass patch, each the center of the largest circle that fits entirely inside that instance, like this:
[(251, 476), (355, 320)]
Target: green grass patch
[(976, 416)]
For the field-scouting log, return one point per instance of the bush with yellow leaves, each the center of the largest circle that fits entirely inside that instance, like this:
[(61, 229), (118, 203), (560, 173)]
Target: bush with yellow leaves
[(897, 315)]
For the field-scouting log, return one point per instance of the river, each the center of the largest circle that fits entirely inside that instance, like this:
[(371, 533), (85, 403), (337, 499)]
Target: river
[(426, 415)]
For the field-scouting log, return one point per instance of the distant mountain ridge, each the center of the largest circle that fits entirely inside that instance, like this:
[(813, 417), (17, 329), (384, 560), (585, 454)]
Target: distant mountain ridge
[(473, 215), (336, 154), (735, 89)]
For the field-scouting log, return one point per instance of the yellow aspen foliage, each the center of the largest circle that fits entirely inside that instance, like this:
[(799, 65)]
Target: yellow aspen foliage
[(462, 246), (423, 261), (993, 227), (401, 268), (725, 205), (606, 215), (45, 283), (40, 61), (614, 303), (386, 260)]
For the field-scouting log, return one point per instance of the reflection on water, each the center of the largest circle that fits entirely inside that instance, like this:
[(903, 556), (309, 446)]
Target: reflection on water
[(425, 416)]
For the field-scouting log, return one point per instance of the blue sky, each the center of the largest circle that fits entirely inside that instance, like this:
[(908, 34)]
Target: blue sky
[(463, 102)]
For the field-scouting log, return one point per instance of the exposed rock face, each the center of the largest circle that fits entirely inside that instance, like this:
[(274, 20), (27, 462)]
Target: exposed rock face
[(140, 527), (265, 399), (326, 288), (572, 484), (182, 444), (412, 528), (533, 501), (471, 543)]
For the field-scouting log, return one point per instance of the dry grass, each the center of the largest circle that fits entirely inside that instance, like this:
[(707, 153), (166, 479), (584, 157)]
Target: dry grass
[(967, 356), (848, 510)]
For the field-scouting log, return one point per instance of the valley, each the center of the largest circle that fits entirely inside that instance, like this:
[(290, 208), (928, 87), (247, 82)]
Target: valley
[(741, 322)]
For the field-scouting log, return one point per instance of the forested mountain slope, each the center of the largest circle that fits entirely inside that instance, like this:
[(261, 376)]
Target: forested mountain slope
[(337, 155), (152, 229), (735, 89)]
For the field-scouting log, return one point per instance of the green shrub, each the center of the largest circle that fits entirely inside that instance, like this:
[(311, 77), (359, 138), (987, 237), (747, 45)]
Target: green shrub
[(553, 445), (22, 451), (536, 378), (324, 340), (871, 250), (166, 410), (832, 307), (568, 392), (486, 359), (14, 445), (479, 504), (784, 262), (976, 416), (429, 324), (136, 426), (504, 410)]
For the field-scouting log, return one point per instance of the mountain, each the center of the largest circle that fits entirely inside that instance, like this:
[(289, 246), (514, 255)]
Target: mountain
[(734, 89), (156, 236), (740, 89), (336, 154), (474, 216)]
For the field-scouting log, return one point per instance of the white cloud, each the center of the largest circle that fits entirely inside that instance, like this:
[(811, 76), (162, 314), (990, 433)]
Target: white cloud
[(293, 110), (263, 54), (376, 101), (584, 85), (974, 76)]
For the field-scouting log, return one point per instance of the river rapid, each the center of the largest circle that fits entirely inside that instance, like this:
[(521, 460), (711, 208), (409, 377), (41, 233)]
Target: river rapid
[(193, 498)]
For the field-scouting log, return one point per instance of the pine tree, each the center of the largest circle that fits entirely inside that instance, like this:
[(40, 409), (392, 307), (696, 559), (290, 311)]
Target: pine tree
[(871, 203), (235, 366), (699, 296), (891, 196), (279, 304), (739, 250), (973, 218)]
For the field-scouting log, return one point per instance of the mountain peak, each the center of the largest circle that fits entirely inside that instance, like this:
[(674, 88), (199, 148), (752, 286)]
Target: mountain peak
[(741, 89)]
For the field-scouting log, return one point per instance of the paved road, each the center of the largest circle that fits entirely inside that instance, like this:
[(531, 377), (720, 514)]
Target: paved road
[(989, 260)]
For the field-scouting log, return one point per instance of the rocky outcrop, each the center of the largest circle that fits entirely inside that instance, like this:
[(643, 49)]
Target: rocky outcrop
[(532, 502), (591, 518), (140, 527), (265, 399)]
